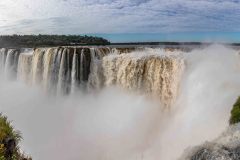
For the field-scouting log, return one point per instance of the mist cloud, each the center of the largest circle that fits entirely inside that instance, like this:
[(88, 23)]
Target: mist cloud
[(115, 124)]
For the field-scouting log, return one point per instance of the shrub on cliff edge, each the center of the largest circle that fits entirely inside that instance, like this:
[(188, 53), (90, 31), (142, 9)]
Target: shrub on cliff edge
[(9, 140), (235, 113)]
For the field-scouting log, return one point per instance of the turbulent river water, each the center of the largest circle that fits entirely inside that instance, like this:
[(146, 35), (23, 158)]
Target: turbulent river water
[(117, 103)]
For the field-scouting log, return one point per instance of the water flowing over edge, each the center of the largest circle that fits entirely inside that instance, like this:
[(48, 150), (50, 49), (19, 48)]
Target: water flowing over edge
[(64, 70)]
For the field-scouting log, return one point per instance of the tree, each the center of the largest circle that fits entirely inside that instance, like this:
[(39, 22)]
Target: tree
[(49, 40)]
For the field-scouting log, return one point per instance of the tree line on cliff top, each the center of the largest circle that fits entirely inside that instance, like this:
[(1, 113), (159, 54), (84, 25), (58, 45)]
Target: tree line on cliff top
[(49, 40)]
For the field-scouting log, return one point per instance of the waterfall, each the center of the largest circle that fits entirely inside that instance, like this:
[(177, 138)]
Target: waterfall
[(37, 66), (156, 75), (74, 74), (64, 70), (11, 63), (64, 77), (3, 55), (95, 78), (25, 66)]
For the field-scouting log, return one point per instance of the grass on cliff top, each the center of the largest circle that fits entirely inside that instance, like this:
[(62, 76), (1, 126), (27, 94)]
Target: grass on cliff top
[(235, 113)]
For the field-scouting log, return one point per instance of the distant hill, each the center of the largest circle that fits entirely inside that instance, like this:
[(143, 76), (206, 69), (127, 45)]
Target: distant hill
[(49, 40)]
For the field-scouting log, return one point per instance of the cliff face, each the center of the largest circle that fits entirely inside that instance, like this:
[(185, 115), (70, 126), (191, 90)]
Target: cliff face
[(226, 147), (63, 70)]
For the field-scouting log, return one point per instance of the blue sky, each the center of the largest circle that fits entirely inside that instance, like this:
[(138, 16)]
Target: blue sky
[(125, 20)]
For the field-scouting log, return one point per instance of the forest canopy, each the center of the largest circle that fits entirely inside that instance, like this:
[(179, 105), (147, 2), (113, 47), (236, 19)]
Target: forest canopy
[(49, 40)]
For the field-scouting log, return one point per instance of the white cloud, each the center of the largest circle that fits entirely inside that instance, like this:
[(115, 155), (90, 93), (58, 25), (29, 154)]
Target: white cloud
[(118, 16)]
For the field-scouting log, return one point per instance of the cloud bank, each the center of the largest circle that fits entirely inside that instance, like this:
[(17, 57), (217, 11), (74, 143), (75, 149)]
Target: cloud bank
[(118, 16)]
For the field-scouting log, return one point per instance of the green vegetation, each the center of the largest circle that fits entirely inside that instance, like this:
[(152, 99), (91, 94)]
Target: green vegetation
[(49, 40), (235, 113), (9, 140)]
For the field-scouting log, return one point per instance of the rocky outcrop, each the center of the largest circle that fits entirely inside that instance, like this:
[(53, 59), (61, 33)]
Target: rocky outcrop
[(226, 147)]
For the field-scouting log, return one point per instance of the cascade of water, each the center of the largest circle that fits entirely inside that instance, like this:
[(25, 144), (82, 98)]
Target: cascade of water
[(37, 66), (85, 64), (158, 76), (64, 70), (82, 59), (75, 71), (25, 66), (55, 66), (3, 55), (95, 78), (11, 63), (64, 76), (47, 68), (102, 52)]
